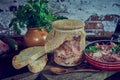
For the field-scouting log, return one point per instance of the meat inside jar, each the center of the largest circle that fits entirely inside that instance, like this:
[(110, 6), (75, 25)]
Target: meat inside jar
[(68, 53)]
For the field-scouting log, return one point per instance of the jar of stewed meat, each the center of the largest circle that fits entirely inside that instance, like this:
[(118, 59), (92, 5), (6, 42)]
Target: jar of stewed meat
[(66, 40)]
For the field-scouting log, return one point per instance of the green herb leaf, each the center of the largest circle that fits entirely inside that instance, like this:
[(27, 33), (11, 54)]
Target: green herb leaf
[(92, 49), (34, 13), (115, 48)]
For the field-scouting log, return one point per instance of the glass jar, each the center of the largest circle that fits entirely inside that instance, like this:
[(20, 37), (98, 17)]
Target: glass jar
[(67, 40)]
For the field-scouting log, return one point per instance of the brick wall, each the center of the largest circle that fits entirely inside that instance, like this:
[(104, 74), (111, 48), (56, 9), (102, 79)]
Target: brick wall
[(85, 10)]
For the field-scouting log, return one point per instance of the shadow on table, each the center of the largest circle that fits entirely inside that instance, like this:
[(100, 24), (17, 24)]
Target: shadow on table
[(41, 77)]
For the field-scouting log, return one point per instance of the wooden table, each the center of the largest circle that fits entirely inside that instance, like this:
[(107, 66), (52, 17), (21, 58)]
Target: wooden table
[(9, 73)]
